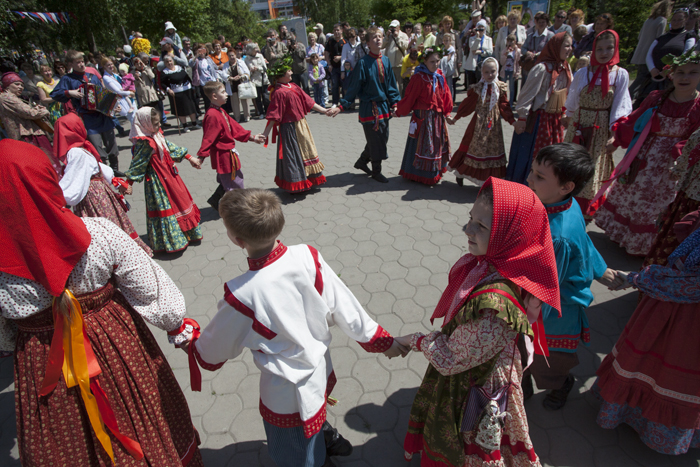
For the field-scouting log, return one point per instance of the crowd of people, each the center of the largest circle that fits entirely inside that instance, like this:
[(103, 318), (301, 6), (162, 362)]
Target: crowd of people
[(77, 283)]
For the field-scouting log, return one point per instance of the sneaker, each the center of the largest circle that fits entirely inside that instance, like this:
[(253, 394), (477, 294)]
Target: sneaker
[(556, 399), (196, 126), (184, 129), (336, 445)]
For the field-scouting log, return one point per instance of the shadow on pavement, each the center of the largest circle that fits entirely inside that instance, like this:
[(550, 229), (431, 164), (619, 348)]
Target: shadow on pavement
[(236, 454)]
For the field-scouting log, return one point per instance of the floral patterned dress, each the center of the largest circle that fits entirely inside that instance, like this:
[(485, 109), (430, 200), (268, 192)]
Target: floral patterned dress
[(635, 200), (687, 170), (173, 218), (482, 153), (478, 346)]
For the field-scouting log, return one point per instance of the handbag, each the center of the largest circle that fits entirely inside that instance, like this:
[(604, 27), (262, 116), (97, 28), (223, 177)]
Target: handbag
[(247, 90)]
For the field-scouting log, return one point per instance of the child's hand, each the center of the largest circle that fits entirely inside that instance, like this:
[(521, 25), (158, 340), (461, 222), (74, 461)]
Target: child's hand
[(608, 278), (565, 121), (620, 282), (259, 139), (519, 126), (397, 349), (610, 146), (333, 112), (450, 120), (196, 162), (125, 190)]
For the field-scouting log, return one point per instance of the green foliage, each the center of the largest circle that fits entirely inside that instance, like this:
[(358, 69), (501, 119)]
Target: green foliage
[(329, 12), (99, 25)]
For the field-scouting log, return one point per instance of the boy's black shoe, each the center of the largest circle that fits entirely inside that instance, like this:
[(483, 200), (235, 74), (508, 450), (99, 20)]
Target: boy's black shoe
[(362, 165), (528, 390), (336, 445), (556, 399), (460, 181), (216, 197), (377, 172), (329, 462)]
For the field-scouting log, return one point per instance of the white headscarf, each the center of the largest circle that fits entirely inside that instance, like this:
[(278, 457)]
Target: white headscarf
[(495, 89), (143, 128)]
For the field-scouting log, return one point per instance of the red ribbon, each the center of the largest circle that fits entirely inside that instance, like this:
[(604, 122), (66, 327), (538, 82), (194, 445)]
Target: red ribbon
[(195, 373)]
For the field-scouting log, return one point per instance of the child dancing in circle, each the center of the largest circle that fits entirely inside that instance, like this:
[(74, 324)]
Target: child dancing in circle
[(475, 356), (298, 166), (481, 153)]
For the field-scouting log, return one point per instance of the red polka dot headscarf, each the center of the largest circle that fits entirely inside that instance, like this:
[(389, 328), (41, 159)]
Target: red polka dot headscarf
[(520, 248)]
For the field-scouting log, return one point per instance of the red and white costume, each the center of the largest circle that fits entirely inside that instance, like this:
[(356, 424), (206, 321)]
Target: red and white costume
[(283, 309)]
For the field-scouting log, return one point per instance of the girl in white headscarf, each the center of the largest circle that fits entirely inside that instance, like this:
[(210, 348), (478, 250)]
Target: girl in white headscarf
[(482, 153), (173, 218)]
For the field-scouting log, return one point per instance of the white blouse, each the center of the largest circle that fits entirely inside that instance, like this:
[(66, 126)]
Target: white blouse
[(80, 167), (622, 102), (112, 253)]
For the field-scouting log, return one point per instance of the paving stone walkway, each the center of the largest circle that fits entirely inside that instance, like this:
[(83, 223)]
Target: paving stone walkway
[(393, 245)]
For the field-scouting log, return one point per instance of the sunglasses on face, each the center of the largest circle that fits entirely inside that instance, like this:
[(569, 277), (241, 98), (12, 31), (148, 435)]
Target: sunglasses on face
[(481, 29), (561, 17)]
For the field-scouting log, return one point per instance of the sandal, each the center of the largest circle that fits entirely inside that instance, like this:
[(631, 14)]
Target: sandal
[(556, 399)]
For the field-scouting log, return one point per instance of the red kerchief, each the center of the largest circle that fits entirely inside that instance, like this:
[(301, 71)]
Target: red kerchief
[(70, 133), (603, 70), (42, 240), (520, 248), (551, 54)]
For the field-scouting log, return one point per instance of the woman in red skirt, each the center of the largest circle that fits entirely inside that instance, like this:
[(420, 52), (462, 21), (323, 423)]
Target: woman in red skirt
[(86, 181), (92, 387), (651, 380)]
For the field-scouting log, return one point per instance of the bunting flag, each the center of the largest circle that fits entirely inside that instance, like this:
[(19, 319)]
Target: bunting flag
[(45, 17)]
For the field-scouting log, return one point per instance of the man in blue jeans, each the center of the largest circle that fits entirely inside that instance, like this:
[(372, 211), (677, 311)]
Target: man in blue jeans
[(334, 51)]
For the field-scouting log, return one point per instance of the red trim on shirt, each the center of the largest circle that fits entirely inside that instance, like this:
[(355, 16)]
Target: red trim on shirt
[(556, 209), (259, 263), (372, 118), (318, 283), (380, 342), (207, 366), (258, 327), (292, 420)]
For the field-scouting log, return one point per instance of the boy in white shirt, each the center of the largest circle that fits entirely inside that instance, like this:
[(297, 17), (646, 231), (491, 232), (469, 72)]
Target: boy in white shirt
[(282, 309)]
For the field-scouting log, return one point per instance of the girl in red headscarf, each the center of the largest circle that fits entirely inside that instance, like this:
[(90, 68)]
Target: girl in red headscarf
[(21, 121), (540, 106), (92, 386), (598, 98), (86, 181), (474, 357)]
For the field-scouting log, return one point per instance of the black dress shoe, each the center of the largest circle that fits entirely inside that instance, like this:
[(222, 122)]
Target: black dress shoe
[(528, 389), (362, 165), (460, 181), (380, 178), (336, 445), (556, 399)]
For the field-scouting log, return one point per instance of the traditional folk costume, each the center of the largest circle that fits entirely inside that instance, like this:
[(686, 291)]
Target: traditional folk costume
[(86, 182), (173, 218), (481, 153), (20, 121), (578, 264), (540, 104), (642, 184), (428, 145), (650, 380), (219, 143), (597, 99), (373, 81), (474, 358), (298, 166), (127, 408), (282, 310), (687, 171)]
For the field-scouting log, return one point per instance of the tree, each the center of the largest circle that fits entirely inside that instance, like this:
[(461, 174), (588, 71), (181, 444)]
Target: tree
[(330, 12)]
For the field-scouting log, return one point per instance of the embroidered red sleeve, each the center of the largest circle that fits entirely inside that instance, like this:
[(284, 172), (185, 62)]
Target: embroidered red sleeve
[(380, 342)]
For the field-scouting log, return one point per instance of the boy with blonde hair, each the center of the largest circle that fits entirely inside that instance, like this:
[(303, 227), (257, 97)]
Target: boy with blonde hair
[(219, 142), (282, 309)]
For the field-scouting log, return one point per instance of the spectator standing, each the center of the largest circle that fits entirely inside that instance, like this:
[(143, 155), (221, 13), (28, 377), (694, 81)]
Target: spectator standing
[(395, 48), (234, 73), (408, 66), (560, 23), (45, 86), (334, 55), (318, 30), (298, 52), (512, 27), (203, 71), (144, 80), (179, 86), (274, 49), (535, 43), (171, 32), (30, 81), (219, 57), (653, 27), (480, 47), (602, 22), (258, 75), (351, 50), (316, 78), (427, 39)]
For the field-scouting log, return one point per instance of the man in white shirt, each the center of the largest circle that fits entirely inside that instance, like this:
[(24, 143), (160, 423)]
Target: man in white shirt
[(395, 48)]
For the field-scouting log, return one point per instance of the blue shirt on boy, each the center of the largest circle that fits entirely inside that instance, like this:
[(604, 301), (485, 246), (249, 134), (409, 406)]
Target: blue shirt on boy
[(578, 264), (95, 122), (372, 86)]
